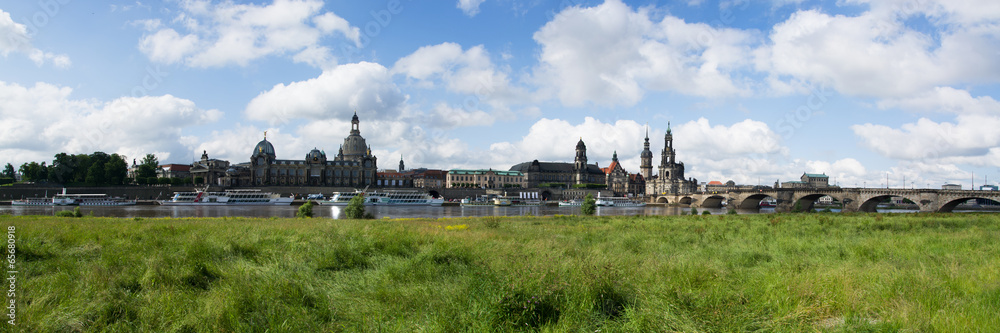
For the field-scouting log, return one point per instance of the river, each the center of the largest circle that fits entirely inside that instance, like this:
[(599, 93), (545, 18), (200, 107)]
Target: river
[(338, 212)]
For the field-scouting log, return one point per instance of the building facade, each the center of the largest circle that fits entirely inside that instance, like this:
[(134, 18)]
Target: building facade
[(560, 174), (669, 178), (616, 178), (210, 171), (459, 178), (353, 166), (424, 178)]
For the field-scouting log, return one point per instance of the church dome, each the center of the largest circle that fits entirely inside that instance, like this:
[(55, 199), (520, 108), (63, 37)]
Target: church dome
[(355, 145), (580, 145), (263, 148)]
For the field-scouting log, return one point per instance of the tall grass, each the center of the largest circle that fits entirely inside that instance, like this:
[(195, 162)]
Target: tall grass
[(785, 272)]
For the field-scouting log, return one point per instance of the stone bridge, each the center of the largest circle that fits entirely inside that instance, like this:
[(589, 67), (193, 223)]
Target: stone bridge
[(854, 199)]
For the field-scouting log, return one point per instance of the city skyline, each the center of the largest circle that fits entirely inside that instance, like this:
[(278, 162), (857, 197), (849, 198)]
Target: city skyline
[(754, 92)]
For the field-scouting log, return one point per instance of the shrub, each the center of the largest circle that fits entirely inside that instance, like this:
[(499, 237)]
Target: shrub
[(306, 210), (74, 213), (705, 212), (589, 206), (694, 211), (356, 207), (732, 211)]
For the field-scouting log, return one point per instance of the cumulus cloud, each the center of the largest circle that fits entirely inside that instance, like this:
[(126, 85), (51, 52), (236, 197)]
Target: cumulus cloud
[(469, 7), (875, 54), (972, 133), (611, 54), (235, 34), (336, 93), (131, 126), (470, 72), (17, 39)]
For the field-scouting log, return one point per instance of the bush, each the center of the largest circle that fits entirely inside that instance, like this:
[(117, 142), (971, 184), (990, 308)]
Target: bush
[(694, 211), (589, 206), (163, 181), (356, 207), (306, 210), (732, 211), (705, 212), (74, 213)]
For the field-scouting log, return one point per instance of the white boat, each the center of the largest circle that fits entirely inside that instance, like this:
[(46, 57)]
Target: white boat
[(384, 198), (624, 202), (65, 199), (571, 203), (227, 198), (480, 201)]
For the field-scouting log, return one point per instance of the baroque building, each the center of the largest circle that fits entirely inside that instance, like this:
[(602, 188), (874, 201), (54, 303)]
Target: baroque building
[(562, 174), (353, 166), (669, 178)]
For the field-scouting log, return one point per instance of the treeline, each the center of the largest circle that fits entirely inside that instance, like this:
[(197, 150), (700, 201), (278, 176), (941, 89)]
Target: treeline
[(96, 169)]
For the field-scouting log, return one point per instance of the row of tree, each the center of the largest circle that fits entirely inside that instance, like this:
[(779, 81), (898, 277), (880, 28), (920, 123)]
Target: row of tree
[(98, 169)]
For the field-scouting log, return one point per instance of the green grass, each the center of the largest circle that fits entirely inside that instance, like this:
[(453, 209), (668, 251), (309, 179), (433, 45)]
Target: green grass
[(723, 273)]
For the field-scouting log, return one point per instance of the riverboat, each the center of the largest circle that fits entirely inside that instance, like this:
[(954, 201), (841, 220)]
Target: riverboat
[(624, 202), (384, 198), (227, 198), (65, 199)]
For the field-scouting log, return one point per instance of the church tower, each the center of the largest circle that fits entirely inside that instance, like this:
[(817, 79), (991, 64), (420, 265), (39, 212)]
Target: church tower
[(401, 166), (646, 166), (580, 162)]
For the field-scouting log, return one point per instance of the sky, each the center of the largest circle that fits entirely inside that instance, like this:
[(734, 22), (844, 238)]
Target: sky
[(863, 91)]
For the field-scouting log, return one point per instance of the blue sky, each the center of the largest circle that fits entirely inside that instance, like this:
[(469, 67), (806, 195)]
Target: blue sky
[(754, 92)]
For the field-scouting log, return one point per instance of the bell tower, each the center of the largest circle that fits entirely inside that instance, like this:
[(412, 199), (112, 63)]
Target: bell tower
[(580, 162), (646, 164)]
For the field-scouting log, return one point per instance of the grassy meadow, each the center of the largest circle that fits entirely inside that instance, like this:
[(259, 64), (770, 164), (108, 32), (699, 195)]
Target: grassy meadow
[(722, 273)]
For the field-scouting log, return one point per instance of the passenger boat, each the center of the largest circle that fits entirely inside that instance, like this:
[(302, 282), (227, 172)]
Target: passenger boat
[(384, 198), (768, 203), (571, 203), (624, 202), (526, 199), (484, 200), (65, 199), (227, 198)]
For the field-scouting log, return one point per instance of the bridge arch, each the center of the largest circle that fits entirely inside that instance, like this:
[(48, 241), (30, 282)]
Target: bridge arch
[(806, 201), (751, 202), (662, 200), (714, 201), (686, 201), (870, 205), (950, 205)]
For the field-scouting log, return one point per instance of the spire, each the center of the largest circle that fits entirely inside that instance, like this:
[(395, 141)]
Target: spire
[(647, 130), (265, 135), (668, 127), (614, 157)]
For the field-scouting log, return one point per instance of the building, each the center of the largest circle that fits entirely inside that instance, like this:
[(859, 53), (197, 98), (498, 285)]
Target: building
[(989, 188), (670, 175), (636, 185), (560, 174), (816, 180), (951, 187), (209, 171), (173, 171), (485, 179), (393, 178), (353, 166), (425, 178), (616, 178)]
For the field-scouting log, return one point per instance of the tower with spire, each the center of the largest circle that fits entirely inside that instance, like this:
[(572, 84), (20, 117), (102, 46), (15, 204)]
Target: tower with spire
[(670, 174), (401, 165), (580, 163), (646, 164)]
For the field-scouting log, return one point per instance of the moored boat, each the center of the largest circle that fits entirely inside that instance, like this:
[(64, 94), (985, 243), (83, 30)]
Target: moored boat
[(66, 199), (384, 198), (227, 198)]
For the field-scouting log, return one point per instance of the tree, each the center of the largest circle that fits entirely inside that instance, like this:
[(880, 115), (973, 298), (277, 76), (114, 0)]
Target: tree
[(306, 210), (148, 166), (95, 174), (34, 171), (356, 207), (116, 170), (8, 171), (589, 206)]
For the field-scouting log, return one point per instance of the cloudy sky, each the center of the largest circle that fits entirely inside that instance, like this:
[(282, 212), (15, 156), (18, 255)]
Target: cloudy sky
[(754, 92)]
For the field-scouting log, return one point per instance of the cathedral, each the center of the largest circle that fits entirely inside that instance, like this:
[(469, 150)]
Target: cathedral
[(669, 178), (353, 166)]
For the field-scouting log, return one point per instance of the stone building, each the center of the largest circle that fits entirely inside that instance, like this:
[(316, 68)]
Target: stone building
[(562, 174), (211, 171), (424, 178), (490, 178), (353, 166), (616, 177), (670, 175), (636, 185)]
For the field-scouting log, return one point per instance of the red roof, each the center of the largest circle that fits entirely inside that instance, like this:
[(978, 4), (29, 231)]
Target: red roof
[(715, 182), (610, 167)]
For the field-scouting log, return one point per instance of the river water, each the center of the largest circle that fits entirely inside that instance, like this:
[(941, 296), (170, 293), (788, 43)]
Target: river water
[(338, 212)]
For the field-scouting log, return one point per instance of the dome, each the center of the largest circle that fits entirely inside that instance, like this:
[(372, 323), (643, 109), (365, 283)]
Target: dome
[(355, 146), (263, 148), (580, 145), (315, 155)]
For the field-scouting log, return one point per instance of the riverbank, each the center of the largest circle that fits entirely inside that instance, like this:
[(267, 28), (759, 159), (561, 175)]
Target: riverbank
[(785, 272)]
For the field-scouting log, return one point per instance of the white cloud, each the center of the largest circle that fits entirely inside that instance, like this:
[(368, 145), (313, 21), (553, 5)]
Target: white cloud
[(611, 54), (555, 140), (235, 34), (469, 7), (973, 133), (131, 126), (17, 39), (875, 54), (336, 93), (469, 72), (445, 116)]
